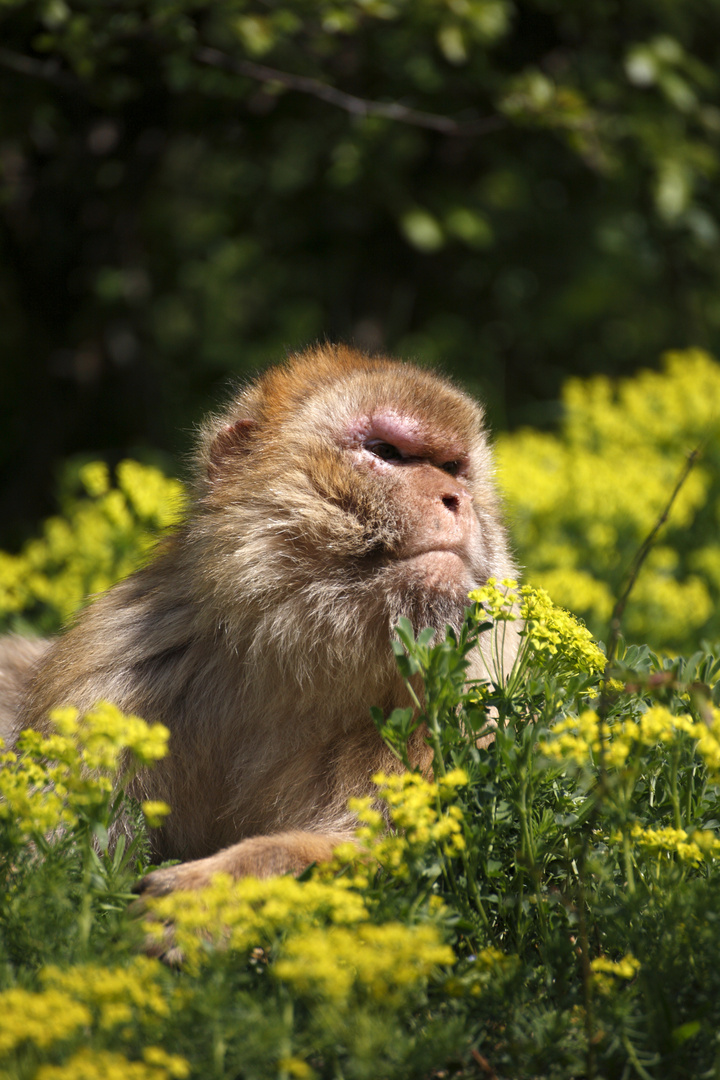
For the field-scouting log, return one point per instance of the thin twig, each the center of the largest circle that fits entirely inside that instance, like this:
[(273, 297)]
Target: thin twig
[(50, 71), (642, 554), (357, 106), (621, 604)]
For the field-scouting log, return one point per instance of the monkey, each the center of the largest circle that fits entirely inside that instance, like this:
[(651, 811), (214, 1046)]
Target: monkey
[(337, 492)]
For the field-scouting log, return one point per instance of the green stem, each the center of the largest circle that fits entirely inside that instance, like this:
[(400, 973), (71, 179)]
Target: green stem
[(413, 695), (627, 859), (698, 801), (674, 789), (528, 851), (630, 1050), (585, 969), (434, 730), (527, 844), (474, 891)]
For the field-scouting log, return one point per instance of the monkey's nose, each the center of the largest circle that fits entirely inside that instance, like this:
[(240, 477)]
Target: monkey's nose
[(452, 503)]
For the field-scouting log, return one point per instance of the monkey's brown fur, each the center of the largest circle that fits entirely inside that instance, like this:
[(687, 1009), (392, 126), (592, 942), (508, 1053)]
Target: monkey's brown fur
[(18, 657), (336, 493)]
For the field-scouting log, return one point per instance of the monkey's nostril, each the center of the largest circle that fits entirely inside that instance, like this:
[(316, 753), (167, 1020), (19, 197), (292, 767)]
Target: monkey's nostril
[(451, 502)]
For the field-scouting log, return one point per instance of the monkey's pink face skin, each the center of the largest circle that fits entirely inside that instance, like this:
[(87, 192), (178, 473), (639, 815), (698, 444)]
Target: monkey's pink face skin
[(388, 440), (426, 473)]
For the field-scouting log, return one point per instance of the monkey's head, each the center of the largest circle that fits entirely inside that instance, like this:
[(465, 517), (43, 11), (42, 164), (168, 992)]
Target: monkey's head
[(355, 489)]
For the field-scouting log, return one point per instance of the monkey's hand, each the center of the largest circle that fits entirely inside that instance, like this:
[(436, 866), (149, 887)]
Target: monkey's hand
[(259, 856)]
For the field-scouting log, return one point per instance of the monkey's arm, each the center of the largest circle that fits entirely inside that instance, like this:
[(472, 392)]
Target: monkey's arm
[(258, 856)]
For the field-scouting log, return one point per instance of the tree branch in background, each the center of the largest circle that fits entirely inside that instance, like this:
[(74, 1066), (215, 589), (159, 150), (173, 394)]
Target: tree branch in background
[(357, 106)]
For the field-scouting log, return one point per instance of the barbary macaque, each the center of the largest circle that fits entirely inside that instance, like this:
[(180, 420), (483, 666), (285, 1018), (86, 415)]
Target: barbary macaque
[(336, 493)]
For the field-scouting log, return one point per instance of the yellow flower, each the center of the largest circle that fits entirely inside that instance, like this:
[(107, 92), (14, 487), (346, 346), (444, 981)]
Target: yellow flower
[(549, 632), (107, 1065), (106, 732), (296, 1067), (691, 847), (175, 1066), (113, 994), (42, 1019), (578, 738), (100, 539), (155, 812), (61, 776), (497, 600), (454, 778), (95, 478), (386, 963), (590, 493), (605, 970), (243, 914)]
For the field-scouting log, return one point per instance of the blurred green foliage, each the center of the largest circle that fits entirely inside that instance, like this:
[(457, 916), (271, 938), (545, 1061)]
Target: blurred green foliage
[(519, 190)]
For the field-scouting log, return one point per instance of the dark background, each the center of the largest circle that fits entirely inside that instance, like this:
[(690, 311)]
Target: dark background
[(174, 215)]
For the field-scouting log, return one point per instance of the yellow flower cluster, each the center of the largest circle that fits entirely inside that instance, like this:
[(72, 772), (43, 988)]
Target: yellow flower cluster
[(50, 780), (296, 1068), (384, 963), (155, 498), (584, 499), (605, 971), (549, 631), (318, 931), (416, 807), (42, 1019), (423, 815), (86, 999), (29, 804), (155, 812), (112, 995), (578, 739), (109, 1065), (691, 847), (498, 599), (105, 732), (552, 631), (248, 913), (99, 540)]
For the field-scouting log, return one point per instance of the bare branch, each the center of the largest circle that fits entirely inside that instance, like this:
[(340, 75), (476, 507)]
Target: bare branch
[(50, 71), (349, 102)]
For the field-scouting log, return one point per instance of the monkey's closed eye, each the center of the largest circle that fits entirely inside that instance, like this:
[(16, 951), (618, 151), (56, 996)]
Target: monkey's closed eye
[(385, 450)]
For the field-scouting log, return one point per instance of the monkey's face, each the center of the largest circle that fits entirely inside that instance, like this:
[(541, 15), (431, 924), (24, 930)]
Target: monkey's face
[(421, 479), (362, 484), (401, 466)]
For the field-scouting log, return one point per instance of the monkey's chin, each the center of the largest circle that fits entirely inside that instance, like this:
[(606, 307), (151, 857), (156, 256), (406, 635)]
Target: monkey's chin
[(440, 571)]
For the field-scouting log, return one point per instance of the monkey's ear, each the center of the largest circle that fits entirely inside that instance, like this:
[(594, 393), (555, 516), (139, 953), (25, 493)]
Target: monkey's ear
[(230, 443)]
